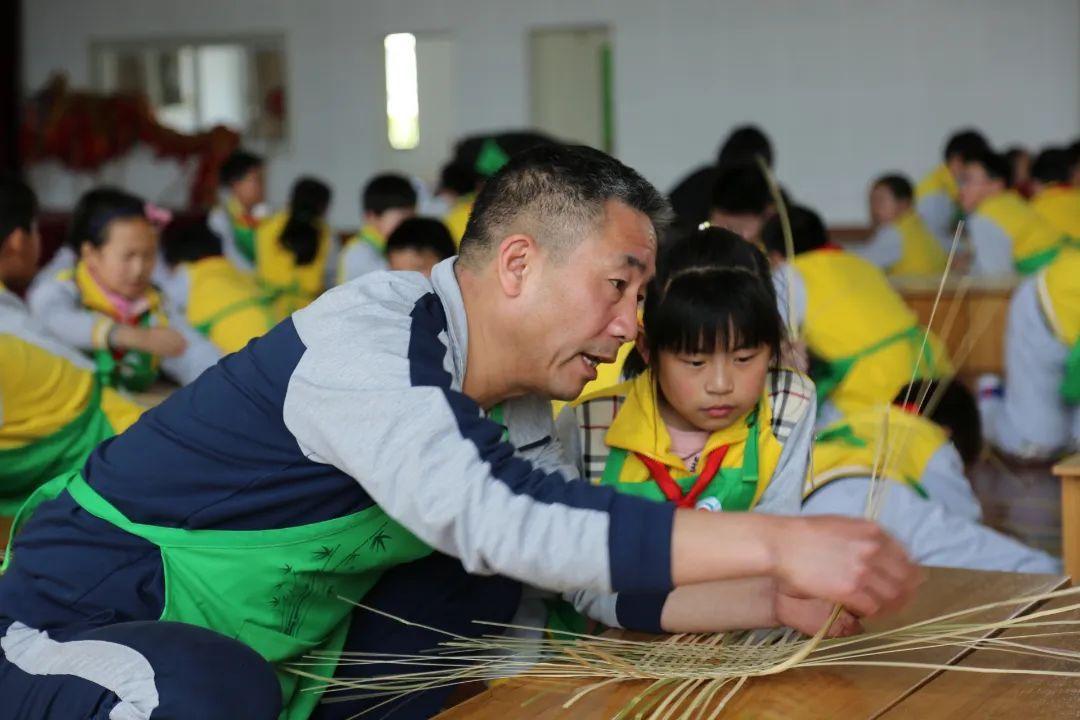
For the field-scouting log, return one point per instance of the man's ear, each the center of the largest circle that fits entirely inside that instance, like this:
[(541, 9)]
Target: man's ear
[(513, 262)]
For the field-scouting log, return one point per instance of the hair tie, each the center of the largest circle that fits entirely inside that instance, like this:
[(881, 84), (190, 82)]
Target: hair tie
[(157, 215)]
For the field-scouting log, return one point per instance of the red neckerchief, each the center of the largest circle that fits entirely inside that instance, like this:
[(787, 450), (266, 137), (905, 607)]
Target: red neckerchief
[(671, 489)]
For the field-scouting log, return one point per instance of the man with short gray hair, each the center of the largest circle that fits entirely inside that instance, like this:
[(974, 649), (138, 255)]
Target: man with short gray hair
[(394, 416)]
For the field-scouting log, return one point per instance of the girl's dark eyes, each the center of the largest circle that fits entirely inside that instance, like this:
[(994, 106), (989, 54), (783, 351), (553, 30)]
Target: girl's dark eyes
[(618, 284)]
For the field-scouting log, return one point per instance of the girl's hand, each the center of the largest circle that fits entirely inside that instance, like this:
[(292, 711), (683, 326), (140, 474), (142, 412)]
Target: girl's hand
[(807, 615), (161, 341), (844, 560)]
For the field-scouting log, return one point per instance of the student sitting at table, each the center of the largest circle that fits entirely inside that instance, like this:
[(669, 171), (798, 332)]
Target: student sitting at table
[(53, 407), (901, 243), (1035, 414), (1007, 235), (865, 342), (107, 305), (222, 302), (923, 496)]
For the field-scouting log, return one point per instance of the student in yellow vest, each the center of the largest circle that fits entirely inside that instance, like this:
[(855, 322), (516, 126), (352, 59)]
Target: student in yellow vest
[(925, 498), (53, 410), (901, 243), (712, 423), (218, 300), (386, 201), (235, 220), (865, 343), (1007, 235), (107, 306), (1055, 198), (458, 184), (937, 195), (419, 244), (1036, 414), (293, 248)]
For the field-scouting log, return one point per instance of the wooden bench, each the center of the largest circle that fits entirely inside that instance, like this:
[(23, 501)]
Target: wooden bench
[(984, 301), (1068, 471)]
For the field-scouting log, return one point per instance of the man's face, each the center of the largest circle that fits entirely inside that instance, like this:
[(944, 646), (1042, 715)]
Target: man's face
[(579, 309), (884, 207), (976, 185), (746, 225)]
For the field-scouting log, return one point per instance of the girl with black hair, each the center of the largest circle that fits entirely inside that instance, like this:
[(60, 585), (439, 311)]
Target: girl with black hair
[(292, 248), (107, 304), (711, 422)]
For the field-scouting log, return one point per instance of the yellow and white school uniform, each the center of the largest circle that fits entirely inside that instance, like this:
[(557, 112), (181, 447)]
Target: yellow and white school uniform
[(867, 341), (1008, 236), (905, 247), (1037, 413), (937, 203), (237, 229), (75, 309), (53, 409), (458, 217), (923, 500), (617, 437), (292, 286), (361, 254), (1059, 205), (223, 303)]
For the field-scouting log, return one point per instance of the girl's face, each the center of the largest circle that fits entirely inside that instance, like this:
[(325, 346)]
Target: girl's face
[(125, 261), (711, 391)]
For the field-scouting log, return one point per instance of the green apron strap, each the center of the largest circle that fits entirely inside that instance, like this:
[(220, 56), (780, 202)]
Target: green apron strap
[(495, 415), (828, 374), (840, 432), (613, 466), (244, 239), (45, 492), (261, 302), (1038, 260), (1070, 384)]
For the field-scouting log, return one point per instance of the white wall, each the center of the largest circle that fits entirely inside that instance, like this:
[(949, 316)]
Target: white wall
[(847, 88)]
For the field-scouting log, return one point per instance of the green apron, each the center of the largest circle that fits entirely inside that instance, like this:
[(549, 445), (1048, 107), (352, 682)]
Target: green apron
[(262, 302), (135, 371), (828, 374), (1037, 261), (1070, 385), (733, 490), (274, 590), (23, 469), (844, 433)]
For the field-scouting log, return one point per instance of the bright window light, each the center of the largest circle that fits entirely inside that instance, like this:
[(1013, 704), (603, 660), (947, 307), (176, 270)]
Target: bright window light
[(402, 99)]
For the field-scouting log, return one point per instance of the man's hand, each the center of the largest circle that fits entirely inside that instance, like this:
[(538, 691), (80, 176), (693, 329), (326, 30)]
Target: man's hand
[(807, 615), (844, 560)]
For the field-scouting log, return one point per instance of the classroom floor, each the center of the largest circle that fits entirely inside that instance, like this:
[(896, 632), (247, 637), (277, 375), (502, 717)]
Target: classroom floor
[(1022, 500)]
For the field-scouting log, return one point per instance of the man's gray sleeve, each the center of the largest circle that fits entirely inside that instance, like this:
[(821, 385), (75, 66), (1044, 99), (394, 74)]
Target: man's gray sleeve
[(371, 396)]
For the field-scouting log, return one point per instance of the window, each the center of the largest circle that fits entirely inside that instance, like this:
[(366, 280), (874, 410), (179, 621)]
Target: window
[(193, 85), (402, 92)]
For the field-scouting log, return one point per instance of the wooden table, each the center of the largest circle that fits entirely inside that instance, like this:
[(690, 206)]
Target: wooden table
[(970, 695), (984, 297), (862, 692), (1068, 470)]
